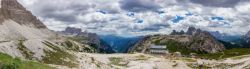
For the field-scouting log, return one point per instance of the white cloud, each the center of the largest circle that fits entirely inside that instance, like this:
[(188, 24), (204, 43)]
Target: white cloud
[(58, 14), (224, 12), (243, 8)]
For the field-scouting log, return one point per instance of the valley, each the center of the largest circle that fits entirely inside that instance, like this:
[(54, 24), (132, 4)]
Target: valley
[(145, 61), (27, 43)]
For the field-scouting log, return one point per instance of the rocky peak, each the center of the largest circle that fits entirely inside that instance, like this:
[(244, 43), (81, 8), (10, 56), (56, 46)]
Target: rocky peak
[(92, 38), (191, 30), (247, 35), (72, 31), (177, 33), (194, 39), (246, 39), (11, 9)]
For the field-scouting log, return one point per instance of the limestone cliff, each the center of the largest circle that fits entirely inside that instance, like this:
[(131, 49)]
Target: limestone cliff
[(194, 40), (23, 35)]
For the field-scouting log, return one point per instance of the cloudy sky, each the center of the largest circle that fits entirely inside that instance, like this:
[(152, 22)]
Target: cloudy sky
[(142, 17)]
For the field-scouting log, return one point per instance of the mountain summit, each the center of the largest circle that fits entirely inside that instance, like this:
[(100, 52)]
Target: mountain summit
[(194, 40), (247, 35), (23, 35), (12, 10), (18, 27), (246, 40)]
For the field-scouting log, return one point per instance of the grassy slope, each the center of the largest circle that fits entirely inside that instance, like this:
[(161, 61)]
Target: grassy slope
[(26, 52), (227, 53), (71, 46), (59, 56), (174, 46), (8, 62)]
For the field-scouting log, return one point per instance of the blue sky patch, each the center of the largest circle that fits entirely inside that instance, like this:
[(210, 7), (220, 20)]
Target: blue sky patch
[(160, 12), (189, 14), (140, 21), (224, 24), (102, 11), (177, 19), (131, 14), (217, 18)]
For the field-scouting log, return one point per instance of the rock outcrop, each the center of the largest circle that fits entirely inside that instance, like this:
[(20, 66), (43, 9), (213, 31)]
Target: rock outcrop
[(72, 31), (91, 39), (246, 40), (23, 35), (194, 40), (247, 36), (18, 27), (11, 9)]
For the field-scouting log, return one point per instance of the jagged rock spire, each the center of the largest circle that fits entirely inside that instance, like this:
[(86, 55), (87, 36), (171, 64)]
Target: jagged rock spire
[(191, 30), (11, 9)]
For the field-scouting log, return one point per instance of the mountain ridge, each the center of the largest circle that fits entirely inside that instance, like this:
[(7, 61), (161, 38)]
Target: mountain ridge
[(193, 40), (225, 37), (11, 9), (91, 39), (120, 44), (24, 36)]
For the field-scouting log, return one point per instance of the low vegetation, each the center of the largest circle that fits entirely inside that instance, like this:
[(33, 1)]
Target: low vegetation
[(227, 53), (70, 45), (174, 46), (141, 57), (8, 62), (59, 56), (240, 57), (189, 59), (25, 51), (117, 61), (91, 48)]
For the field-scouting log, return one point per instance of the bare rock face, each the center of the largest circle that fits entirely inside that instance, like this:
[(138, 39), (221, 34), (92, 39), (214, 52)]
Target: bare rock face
[(11, 9), (247, 35), (92, 38), (206, 42), (23, 35), (19, 28), (72, 31), (194, 40), (246, 40)]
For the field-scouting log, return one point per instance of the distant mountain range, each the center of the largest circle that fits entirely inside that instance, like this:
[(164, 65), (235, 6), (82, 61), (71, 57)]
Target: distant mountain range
[(246, 40), (92, 39), (235, 41), (118, 43), (105, 43), (24, 36), (225, 37)]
